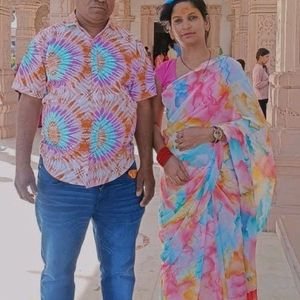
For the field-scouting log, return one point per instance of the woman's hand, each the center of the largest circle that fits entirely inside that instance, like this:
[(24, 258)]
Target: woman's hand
[(192, 137), (175, 171)]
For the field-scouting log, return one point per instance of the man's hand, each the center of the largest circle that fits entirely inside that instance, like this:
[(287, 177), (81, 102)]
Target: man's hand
[(175, 171), (29, 110), (145, 182), (23, 180)]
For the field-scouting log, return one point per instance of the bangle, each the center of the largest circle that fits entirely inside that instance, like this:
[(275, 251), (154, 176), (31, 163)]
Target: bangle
[(217, 134), (163, 156)]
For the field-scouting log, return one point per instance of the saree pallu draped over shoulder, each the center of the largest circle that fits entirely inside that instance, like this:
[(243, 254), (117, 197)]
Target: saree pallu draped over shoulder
[(209, 226)]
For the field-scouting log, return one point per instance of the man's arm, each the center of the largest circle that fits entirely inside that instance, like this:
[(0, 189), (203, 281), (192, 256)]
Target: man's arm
[(144, 139), (29, 109)]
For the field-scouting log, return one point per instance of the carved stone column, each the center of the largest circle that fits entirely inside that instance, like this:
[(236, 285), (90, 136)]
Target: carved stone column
[(7, 96), (240, 32), (244, 33), (148, 18), (26, 13), (60, 9), (262, 29), (122, 14), (214, 12), (235, 21), (284, 111)]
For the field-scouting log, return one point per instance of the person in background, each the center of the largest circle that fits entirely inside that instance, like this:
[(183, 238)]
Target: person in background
[(160, 58), (218, 168), (242, 62), (172, 54), (148, 53), (260, 78)]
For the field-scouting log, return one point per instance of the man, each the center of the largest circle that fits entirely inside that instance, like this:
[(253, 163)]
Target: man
[(89, 76)]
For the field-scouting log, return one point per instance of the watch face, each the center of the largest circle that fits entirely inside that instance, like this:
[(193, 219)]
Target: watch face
[(217, 134)]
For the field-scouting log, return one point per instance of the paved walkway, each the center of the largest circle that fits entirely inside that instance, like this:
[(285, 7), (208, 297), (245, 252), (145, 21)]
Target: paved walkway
[(20, 264)]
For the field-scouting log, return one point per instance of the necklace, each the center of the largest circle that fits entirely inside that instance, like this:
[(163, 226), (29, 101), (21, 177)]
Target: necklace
[(192, 69)]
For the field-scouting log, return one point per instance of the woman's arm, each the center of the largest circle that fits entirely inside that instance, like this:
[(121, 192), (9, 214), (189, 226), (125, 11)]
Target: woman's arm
[(158, 111), (174, 169), (192, 137)]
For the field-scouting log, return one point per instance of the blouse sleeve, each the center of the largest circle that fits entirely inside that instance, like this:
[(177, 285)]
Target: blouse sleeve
[(250, 150), (257, 79)]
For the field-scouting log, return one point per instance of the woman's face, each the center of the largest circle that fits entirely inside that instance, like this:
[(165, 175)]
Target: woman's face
[(265, 59), (188, 26)]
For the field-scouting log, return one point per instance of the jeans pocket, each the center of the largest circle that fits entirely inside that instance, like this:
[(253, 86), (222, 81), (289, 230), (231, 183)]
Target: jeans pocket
[(44, 177)]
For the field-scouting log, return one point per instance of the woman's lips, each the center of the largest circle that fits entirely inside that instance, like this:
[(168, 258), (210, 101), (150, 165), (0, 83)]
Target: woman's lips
[(188, 34)]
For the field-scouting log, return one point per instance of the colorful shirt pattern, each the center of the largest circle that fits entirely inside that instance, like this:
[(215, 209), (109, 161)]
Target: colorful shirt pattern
[(89, 88), (209, 226)]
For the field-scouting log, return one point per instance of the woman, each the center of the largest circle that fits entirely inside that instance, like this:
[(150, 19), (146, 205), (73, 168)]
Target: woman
[(218, 166), (260, 77)]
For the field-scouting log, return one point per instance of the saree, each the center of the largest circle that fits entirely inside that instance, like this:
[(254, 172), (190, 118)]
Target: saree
[(209, 226)]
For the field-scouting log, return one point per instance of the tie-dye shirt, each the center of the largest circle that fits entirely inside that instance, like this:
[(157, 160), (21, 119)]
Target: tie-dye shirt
[(90, 88)]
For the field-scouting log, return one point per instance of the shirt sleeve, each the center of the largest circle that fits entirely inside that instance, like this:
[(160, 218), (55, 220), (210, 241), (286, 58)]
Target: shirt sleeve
[(142, 76), (31, 76)]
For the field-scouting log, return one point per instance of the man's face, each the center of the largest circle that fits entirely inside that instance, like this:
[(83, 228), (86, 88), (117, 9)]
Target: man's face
[(95, 11)]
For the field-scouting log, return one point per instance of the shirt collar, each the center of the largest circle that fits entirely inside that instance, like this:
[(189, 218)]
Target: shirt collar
[(72, 21)]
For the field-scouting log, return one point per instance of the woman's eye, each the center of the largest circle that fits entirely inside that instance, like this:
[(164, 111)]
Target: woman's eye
[(177, 21), (192, 18)]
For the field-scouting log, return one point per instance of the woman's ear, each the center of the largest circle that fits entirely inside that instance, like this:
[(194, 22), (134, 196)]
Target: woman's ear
[(170, 32), (172, 35)]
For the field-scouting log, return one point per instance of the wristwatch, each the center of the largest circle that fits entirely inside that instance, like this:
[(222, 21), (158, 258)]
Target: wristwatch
[(217, 134)]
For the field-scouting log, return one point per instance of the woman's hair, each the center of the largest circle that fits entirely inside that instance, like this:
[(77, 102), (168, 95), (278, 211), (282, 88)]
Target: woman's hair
[(166, 11), (242, 62), (261, 52)]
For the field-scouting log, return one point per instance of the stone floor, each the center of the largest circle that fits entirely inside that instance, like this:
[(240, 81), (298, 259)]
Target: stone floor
[(20, 264)]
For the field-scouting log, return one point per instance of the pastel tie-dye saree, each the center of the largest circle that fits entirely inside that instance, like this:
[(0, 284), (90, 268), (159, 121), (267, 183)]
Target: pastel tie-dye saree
[(209, 226)]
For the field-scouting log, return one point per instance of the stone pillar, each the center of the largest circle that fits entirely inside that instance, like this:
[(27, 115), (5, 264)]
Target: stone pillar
[(26, 13), (214, 12), (148, 18), (244, 33), (230, 19), (60, 10), (235, 21), (122, 14), (7, 96), (284, 111), (240, 32), (262, 28)]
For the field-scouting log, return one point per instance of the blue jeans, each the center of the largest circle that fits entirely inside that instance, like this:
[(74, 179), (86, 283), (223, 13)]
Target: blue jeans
[(63, 213)]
